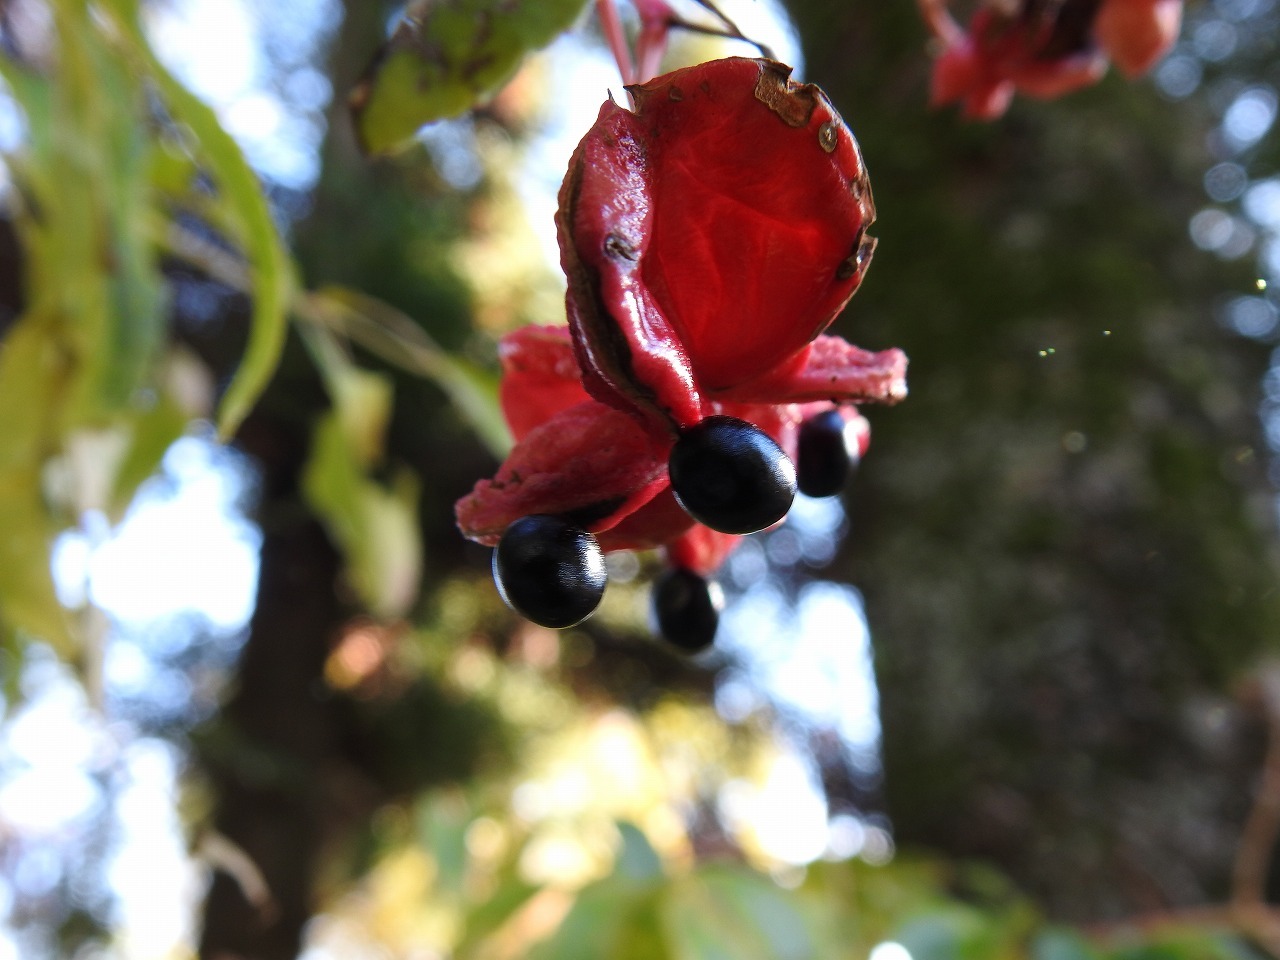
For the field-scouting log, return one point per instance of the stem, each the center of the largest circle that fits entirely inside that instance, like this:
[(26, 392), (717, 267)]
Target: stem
[(651, 45), (612, 27), (731, 29), (1262, 828), (940, 22)]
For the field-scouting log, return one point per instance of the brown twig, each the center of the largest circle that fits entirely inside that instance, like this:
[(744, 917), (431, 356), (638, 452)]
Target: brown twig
[(1262, 828), (1247, 912), (731, 29)]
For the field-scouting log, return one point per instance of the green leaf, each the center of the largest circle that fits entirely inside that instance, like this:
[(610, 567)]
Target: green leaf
[(27, 598), (393, 336), (90, 263), (376, 527), (616, 918), (1062, 945), (734, 913), (1190, 943), (444, 58), (150, 436), (496, 909), (637, 860), (362, 400), (30, 386), (952, 932), (271, 271), (441, 828), (241, 209)]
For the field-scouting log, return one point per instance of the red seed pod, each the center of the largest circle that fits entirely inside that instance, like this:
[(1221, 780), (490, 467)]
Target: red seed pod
[(709, 236), (1043, 50)]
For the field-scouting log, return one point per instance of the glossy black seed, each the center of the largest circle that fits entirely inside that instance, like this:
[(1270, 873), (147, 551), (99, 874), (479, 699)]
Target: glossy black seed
[(549, 571), (687, 609), (730, 475), (826, 455)]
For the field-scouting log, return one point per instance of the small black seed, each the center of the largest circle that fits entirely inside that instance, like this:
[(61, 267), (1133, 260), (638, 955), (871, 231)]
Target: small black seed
[(687, 609), (731, 476), (826, 455), (549, 571)]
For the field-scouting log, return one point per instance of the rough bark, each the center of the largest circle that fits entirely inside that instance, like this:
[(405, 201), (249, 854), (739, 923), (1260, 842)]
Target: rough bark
[(1064, 534)]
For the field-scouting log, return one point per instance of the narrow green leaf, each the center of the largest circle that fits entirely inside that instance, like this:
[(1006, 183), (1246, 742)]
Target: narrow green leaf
[(496, 909), (394, 337), (1056, 944), (951, 932), (90, 263), (376, 528), (241, 209), (615, 918), (1189, 943), (27, 598), (150, 436), (441, 828), (30, 387), (445, 57), (271, 271), (362, 400), (474, 392), (637, 859), (734, 913)]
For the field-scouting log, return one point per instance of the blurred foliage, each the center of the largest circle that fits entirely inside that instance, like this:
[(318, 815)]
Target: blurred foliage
[(1065, 535), (457, 888), (446, 56), (83, 364)]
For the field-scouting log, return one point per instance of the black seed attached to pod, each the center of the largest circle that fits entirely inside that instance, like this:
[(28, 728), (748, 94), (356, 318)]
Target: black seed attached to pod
[(549, 571), (826, 455), (687, 608), (731, 476)]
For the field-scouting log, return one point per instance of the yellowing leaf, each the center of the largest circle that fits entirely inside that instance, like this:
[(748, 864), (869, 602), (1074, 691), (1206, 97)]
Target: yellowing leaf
[(90, 266), (376, 528), (382, 329), (27, 598), (241, 209), (270, 269), (361, 399), (445, 57), (30, 384), (150, 436)]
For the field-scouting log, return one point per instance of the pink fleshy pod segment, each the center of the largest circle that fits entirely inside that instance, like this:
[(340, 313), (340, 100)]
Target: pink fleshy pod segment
[(701, 550), (540, 377), (589, 463), (956, 74), (629, 354), (1050, 79), (709, 235), (832, 369), (1137, 33)]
